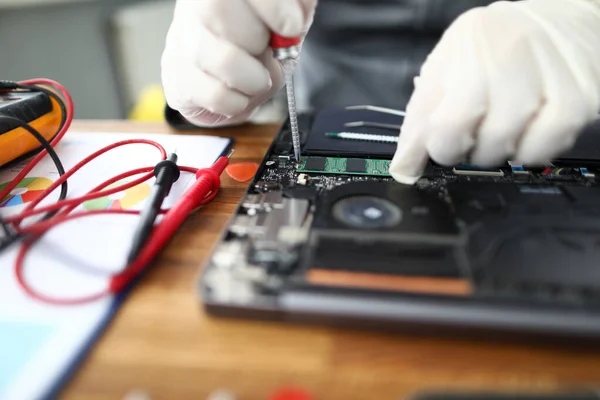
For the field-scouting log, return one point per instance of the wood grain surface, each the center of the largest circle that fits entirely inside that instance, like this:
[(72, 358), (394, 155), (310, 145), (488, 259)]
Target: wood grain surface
[(162, 343)]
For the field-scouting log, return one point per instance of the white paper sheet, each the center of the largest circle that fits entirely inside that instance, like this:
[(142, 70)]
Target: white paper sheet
[(39, 342)]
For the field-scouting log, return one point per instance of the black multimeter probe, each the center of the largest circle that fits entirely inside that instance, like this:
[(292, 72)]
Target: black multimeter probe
[(166, 173)]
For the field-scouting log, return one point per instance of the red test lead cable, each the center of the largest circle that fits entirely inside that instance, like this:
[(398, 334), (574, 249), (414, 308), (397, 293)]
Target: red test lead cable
[(201, 192), (204, 190)]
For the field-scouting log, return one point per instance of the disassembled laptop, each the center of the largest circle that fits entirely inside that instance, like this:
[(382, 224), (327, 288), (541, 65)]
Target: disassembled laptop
[(335, 239)]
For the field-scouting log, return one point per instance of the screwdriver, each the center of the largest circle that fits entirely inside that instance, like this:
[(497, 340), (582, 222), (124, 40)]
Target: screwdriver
[(287, 51)]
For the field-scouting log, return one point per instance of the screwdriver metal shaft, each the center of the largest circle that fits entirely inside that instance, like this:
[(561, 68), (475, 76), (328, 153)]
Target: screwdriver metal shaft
[(286, 50), (291, 100)]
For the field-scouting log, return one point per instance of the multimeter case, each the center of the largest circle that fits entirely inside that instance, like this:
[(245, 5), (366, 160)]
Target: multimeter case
[(33, 108), (508, 252)]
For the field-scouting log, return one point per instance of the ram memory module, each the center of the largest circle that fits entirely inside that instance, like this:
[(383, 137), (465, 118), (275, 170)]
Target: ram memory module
[(345, 166)]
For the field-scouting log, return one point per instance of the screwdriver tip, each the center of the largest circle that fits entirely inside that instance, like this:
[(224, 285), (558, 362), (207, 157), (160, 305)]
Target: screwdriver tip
[(230, 153)]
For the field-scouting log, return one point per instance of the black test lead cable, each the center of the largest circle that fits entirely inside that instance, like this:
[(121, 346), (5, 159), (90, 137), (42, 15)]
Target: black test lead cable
[(12, 237), (47, 146), (9, 239)]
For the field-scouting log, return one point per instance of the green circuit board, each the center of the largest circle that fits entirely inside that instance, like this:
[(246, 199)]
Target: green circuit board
[(345, 166)]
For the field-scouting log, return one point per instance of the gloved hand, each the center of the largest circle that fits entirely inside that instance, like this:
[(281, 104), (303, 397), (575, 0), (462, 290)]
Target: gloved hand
[(511, 81), (217, 67)]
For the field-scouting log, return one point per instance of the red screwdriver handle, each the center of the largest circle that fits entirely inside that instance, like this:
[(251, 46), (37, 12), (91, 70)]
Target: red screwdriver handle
[(281, 42), (285, 48)]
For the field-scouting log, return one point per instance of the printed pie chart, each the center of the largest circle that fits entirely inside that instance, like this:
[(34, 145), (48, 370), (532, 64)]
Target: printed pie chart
[(120, 201), (28, 190)]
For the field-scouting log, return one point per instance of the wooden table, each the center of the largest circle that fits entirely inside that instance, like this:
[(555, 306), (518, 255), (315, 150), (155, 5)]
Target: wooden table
[(162, 342)]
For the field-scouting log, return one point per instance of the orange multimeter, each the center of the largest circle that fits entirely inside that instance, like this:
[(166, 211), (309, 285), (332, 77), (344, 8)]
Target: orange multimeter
[(36, 108)]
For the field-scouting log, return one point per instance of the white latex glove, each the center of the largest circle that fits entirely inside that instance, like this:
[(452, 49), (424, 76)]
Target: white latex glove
[(217, 67), (511, 81)]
